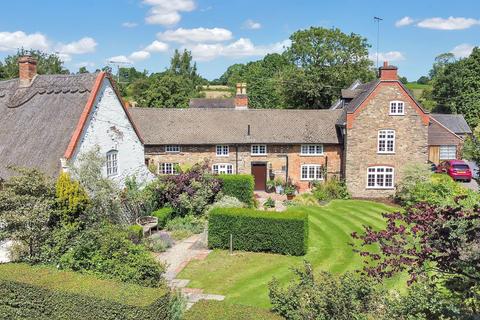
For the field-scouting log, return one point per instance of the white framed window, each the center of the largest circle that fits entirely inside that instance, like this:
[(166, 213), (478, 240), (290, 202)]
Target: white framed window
[(397, 108), (259, 149), (222, 150), (112, 163), (448, 152), (172, 148), (222, 168), (386, 141), (311, 172), (311, 150), (380, 177), (167, 168)]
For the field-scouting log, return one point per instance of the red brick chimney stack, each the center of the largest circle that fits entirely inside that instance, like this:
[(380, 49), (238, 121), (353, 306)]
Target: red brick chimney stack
[(27, 67), (388, 72), (241, 98)]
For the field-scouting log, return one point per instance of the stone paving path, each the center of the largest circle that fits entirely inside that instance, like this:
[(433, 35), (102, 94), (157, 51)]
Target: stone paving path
[(177, 257), (262, 196)]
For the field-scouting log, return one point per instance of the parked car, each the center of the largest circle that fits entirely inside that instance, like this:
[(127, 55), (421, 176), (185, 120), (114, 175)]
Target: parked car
[(457, 169)]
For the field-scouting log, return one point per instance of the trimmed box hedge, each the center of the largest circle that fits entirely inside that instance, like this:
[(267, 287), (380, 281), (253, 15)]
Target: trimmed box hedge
[(214, 310), (40, 292), (254, 230), (163, 215), (239, 186)]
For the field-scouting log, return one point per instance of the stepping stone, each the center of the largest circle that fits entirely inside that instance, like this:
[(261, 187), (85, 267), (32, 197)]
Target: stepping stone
[(179, 283)]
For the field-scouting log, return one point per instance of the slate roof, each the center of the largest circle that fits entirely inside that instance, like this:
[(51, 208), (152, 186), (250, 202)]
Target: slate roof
[(37, 122), (454, 122), (160, 126), (212, 103)]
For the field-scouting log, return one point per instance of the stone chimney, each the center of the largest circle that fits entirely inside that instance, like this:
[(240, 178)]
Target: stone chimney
[(387, 72), (241, 98), (27, 67)]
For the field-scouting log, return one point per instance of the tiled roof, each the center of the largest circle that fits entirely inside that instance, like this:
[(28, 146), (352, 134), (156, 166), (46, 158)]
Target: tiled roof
[(212, 103), (454, 122)]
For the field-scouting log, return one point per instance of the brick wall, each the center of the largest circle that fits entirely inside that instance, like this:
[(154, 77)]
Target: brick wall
[(411, 139), (275, 159)]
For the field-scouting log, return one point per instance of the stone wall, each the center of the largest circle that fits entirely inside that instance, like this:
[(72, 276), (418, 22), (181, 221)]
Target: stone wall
[(411, 139), (242, 159)]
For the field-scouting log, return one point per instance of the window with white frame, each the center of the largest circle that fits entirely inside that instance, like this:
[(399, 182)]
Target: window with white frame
[(448, 152), (311, 172), (311, 149), (259, 149), (172, 148), (222, 168), (112, 163), (380, 177), (167, 168), (397, 108), (222, 150), (386, 141)]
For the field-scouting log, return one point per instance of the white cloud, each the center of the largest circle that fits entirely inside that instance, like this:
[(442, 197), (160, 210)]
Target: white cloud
[(196, 35), (243, 47), (82, 46), (139, 55), (156, 46), (166, 12), (451, 23), (129, 24), (11, 41), (250, 24), (85, 64), (405, 21), (463, 50), (119, 59), (387, 56)]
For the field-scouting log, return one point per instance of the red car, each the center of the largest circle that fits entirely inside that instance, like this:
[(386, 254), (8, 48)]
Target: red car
[(457, 169)]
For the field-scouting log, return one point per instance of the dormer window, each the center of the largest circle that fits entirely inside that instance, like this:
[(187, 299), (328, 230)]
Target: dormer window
[(397, 108)]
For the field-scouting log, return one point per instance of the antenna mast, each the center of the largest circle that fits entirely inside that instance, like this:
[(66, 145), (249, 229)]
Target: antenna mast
[(377, 20)]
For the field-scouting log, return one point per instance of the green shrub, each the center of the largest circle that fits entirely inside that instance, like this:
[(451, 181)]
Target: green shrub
[(163, 215), (183, 227), (214, 310), (135, 233), (269, 203), (159, 242), (228, 202), (239, 186), (253, 230), (330, 189), (39, 292)]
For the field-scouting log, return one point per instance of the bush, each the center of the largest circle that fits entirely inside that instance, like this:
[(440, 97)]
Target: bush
[(269, 203), (183, 227), (163, 215), (214, 310), (159, 242), (228, 202), (330, 189), (135, 233), (252, 230), (239, 186), (28, 292)]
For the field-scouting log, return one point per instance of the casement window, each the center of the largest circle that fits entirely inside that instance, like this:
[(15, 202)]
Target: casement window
[(172, 148), (380, 177), (448, 152), (397, 108), (222, 168), (259, 150), (167, 168), (311, 150), (311, 172), (112, 163), (386, 141), (222, 150)]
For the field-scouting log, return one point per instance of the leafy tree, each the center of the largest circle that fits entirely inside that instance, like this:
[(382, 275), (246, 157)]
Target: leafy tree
[(82, 70), (423, 80), (46, 64), (71, 198), (325, 61), (403, 80), (234, 74), (471, 147), (136, 201), (441, 61)]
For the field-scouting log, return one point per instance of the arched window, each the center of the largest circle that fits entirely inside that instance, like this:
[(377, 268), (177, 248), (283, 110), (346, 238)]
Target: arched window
[(380, 177), (112, 163)]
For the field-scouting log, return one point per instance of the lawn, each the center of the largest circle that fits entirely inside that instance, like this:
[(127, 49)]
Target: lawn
[(243, 277)]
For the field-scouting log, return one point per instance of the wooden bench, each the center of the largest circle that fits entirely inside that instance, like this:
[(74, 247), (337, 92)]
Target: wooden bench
[(148, 223)]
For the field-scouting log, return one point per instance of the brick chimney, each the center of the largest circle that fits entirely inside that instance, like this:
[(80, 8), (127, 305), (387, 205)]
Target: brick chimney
[(387, 72), (241, 98), (27, 67)]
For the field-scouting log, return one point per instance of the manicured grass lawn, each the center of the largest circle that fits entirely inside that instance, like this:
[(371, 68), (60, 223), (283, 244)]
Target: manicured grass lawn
[(243, 277)]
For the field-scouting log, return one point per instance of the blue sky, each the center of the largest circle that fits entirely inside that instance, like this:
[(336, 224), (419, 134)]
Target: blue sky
[(143, 33)]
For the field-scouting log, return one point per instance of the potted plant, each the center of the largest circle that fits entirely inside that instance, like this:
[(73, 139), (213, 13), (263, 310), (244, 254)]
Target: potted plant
[(278, 185), (269, 204), (271, 185), (290, 190)]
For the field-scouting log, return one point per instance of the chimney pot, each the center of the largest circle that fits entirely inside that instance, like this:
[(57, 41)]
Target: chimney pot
[(385, 64), (388, 72), (241, 98), (27, 69)]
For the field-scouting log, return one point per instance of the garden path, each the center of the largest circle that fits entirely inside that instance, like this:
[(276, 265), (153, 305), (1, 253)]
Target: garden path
[(262, 196)]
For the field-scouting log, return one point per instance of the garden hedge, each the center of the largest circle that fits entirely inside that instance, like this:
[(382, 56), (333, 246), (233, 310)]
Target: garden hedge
[(239, 186), (254, 230), (40, 292), (214, 310), (163, 215)]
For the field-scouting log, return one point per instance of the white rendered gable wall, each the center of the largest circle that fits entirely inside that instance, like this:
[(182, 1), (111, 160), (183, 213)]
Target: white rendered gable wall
[(108, 128)]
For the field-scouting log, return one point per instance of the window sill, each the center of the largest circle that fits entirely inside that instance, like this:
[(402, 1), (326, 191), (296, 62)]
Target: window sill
[(258, 155), (385, 152), (312, 155), (380, 188), (396, 114), (310, 180), (222, 155)]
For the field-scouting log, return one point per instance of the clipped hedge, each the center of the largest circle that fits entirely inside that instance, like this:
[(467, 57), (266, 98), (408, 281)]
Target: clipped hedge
[(214, 310), (163, 215), (254, 230), (40, 292), (239, 186)]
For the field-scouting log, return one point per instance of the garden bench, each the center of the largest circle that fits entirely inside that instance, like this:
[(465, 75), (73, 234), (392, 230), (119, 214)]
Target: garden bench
[(148, 223)]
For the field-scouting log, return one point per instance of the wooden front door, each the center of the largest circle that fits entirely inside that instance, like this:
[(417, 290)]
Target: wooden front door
[(259, 172)]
